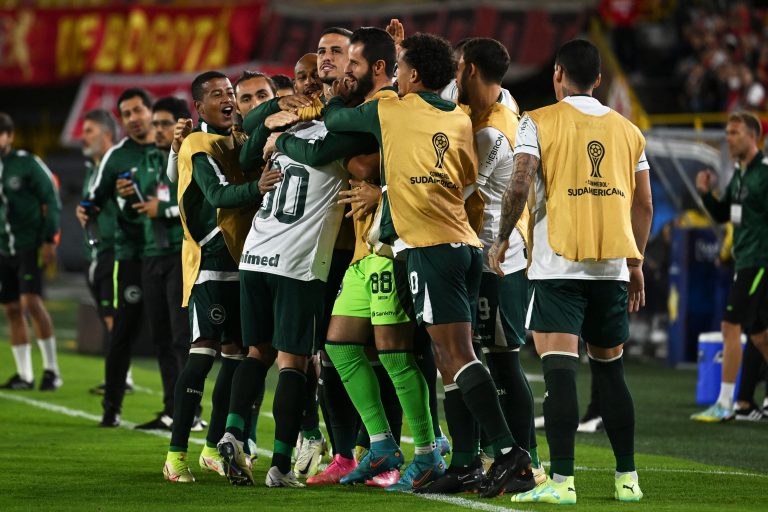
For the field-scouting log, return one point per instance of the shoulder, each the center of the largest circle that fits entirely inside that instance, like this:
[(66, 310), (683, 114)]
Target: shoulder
[(114, 153)]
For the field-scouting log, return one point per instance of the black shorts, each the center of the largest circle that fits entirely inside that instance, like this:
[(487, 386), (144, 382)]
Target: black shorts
[(501, 310), (162, 283), (101, 282), (748, 300), (281, 310), (20, 273)]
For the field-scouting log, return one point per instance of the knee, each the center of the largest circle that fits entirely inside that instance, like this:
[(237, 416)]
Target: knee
[(32, 304), (264, 352), (601, 354), (295, 361), (13, 310)]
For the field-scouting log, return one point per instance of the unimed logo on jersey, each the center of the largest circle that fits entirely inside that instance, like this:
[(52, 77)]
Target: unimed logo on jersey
[(594, 184), (255, 259)]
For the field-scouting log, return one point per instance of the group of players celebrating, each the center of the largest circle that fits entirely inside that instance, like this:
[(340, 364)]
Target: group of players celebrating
[(445, 255)]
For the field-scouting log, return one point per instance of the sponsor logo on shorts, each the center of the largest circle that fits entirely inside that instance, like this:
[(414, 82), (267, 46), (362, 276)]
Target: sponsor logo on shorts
[(132, 294), (217, 314), (194, 392), (382, 313), (255, 259), (338, 293)]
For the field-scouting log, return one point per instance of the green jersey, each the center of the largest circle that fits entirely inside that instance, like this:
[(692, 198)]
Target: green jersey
[(106, 218), (744, 203), (208, 191), (163, 234), (126, 155), (30, 208)]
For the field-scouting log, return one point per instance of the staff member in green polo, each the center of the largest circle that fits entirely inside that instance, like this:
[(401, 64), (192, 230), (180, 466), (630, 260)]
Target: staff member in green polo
[(745, 204)]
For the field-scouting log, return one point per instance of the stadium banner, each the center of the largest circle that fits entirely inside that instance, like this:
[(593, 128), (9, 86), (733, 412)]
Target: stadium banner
[(102, 91), (49, 46), (531, 32)]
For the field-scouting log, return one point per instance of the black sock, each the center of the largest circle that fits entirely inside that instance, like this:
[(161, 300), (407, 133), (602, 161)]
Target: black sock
[(286, 409), (561, 410), (593, 409), (188, 393), (751, 367), (425, 359), (247, 385), (461, 427), (342, 418), (617, 410), (220, 399), (389, 400), (310, 420), (514, 394), (482, 399)]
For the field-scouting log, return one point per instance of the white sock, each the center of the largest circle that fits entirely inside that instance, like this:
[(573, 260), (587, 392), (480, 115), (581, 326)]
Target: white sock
[(633, 473), (726, 395), (558, 479), (23, 356), (129, 377), (48, 349)]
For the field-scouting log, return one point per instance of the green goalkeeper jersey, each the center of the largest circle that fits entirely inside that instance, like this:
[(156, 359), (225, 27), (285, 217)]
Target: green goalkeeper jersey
[(29, 203)]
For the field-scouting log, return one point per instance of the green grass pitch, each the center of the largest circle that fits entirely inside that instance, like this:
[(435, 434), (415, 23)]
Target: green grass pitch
[(54, 457)]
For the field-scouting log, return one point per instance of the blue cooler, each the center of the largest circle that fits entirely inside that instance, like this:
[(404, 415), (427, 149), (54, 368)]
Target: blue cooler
[(711, 367)]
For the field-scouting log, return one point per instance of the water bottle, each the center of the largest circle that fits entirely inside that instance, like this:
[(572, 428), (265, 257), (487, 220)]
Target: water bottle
[(137, 197), (92, 233)]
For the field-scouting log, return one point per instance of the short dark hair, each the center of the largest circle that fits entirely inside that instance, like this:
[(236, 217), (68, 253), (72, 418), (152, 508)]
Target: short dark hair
[(432, 57), (282, 82), (197, 83), (750, 120), (105, 119), (490, 57), (176, 106), (337, 30), (377, 45), (6, 123), (134, 92), (580, 61), (250, 75)]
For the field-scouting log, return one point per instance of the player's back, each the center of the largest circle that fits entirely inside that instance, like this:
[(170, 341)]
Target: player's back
[(295, 229)]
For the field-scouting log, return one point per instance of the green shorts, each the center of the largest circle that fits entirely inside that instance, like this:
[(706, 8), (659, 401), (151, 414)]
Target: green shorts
[(501, 310), (282, 311), (377, 288), (214, 311), (445, 282), (594, 310)]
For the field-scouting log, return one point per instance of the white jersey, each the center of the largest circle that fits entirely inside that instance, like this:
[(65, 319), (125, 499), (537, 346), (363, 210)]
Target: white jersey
[(295, 229), (451, 93), (546, 263), (495, 159)]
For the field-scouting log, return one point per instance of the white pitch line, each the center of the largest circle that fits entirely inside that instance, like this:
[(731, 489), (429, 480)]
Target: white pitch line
[(463, 502), (681, 470), (75, 413)]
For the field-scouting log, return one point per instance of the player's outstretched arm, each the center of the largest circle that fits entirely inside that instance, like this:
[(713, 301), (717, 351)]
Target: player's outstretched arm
[(217, 190), (363, 118), (324, 151)]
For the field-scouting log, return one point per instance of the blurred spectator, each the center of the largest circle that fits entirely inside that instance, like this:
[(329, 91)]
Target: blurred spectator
[(621, 16), (725, 66)]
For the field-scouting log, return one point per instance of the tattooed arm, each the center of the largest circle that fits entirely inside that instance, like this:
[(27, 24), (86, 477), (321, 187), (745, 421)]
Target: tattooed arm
[(512, 206)]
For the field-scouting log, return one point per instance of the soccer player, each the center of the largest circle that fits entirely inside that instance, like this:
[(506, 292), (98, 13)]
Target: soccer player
[(29, 222), (374, 291), (283, 85), (500, 328), (283, 269), (251, 90), (99, 134), (743, 204), (427, 159), (149, 196), (592, 216), (216, 203)]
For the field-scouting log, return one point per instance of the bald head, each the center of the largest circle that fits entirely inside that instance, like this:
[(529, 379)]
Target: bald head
[(305, 75)]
